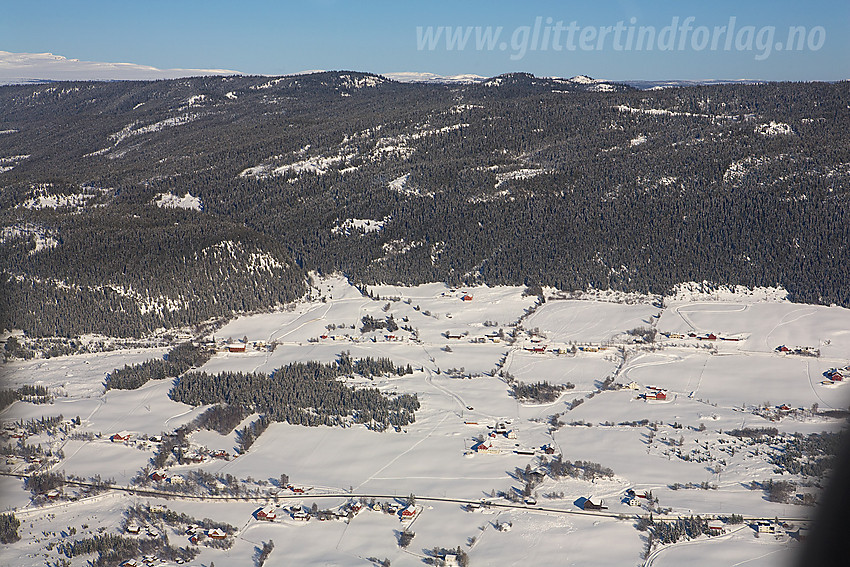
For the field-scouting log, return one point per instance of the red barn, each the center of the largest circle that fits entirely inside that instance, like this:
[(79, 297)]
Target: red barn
[(409, 512)]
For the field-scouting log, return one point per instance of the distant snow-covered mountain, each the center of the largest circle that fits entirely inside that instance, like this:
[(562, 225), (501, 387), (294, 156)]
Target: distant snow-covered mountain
[(23, 68), (416, 77)]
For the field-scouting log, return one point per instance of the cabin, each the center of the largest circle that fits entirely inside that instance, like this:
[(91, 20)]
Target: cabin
[(267, 513), (157, 476), (301, 516), (594, 503), (450, 560), (836, 377), (485, 448), (716, 527), (236, 347), (452, 335), (133, 529), (537, 349), (53, 494), (120, 437), (216, 533), (782, 348), (466, 297)]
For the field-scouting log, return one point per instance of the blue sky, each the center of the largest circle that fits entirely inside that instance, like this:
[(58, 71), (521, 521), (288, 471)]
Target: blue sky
[(267, 37)]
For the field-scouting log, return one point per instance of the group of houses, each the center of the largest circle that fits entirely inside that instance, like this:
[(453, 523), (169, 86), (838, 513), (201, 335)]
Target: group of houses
[(195, 533), (654, 393), (838, 374), (499, 430), (163, 476), (237, 346), (301, 513), (798, 350), (800, 533), (700, 337)]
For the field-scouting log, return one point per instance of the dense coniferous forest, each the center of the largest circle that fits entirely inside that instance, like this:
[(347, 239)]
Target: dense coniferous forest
[(301, 394), (177, 361), (518, 180)]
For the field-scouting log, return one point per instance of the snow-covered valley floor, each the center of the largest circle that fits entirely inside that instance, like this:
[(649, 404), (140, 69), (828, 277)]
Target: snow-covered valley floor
[(466, 347)]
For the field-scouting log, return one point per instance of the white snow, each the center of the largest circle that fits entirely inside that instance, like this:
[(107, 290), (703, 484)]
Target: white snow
[(774, 129), (133, 130), (8, 163), (187, 201), (359, 226), (522, 173), (415, 77), (602, 88), (44, 198), (44, 238), (196, 100)]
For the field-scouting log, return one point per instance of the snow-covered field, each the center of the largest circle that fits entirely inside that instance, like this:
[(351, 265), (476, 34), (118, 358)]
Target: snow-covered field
[(462, 366)]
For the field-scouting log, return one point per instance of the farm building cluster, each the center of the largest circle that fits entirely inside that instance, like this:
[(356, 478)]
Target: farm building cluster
[(798, 350), (836, 375)]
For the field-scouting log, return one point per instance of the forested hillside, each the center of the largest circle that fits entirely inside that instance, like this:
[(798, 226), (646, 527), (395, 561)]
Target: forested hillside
[(134, 205)]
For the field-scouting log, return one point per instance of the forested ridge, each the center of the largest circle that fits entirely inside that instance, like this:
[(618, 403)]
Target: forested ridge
[(519, 180)]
